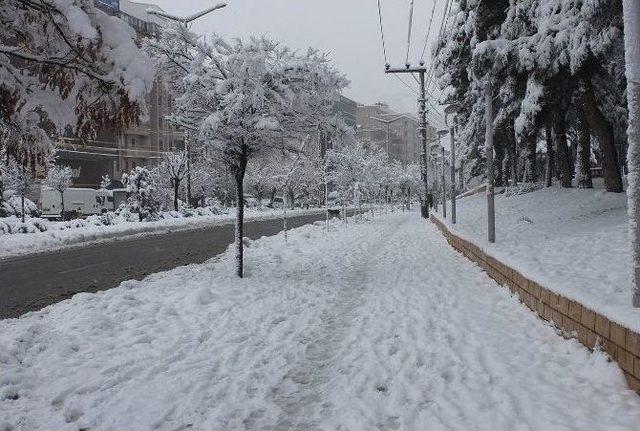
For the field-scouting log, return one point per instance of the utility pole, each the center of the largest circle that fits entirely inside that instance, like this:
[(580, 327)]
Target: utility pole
[(452, 109), (631, 12), (453, 176), (491, 210), (422, 104), (444, 188), (442, 133)]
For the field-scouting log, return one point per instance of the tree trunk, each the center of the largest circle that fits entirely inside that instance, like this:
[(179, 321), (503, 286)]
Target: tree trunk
[(559, 134), (176, 186), (22, 205), (62, 215), (498, 160), (532, 161), (550, 167), (284, 220), (583, 156), (238, 175), (604, 132), (292, 198), (272, 197)]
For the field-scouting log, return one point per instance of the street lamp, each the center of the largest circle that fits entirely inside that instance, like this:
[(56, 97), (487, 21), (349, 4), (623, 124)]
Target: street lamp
[(186, 20), (442, 133), (449, 110), (388, 124), (432, 156)]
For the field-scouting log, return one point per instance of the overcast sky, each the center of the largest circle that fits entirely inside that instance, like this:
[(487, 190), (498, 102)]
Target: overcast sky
[(348, 29)]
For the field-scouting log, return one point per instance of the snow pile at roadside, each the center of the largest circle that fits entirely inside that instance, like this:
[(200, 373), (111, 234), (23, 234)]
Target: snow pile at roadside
[(56, 235), (572, 241), (372, 325), (13, 224)]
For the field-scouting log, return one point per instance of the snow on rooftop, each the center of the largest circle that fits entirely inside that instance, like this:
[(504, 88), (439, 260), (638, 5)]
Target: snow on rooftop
[(140, 10)]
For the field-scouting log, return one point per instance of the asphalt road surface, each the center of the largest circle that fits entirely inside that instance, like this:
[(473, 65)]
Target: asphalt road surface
[(29, 283)]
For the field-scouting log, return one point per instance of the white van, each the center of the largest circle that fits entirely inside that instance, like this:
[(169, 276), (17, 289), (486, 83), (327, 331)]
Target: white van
[(84, 202)]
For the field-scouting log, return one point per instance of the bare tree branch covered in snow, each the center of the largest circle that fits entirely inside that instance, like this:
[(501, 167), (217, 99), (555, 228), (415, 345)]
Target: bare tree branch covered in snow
[(66, 66)]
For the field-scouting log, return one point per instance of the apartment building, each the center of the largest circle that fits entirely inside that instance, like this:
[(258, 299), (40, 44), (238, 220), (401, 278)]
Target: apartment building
[(395, 133), (114, 153)]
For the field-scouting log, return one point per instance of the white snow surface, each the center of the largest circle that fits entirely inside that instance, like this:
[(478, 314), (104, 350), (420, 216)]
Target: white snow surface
[(371, 325), (572, 241), (53, 239)]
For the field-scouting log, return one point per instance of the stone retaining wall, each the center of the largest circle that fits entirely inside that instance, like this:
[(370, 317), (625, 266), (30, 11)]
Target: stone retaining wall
[(572, 318)]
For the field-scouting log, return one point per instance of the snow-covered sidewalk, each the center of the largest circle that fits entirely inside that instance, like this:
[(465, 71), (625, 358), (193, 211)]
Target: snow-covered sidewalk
[(373, 325)]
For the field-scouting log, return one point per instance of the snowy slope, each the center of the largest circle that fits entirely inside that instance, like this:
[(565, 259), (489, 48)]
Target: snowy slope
[(572, 241), (373, 325)]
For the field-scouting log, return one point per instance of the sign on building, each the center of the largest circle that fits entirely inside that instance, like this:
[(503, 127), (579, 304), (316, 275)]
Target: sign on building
[(110, 6)]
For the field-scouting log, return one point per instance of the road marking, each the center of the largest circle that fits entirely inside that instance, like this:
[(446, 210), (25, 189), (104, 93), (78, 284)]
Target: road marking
[(82, 268)]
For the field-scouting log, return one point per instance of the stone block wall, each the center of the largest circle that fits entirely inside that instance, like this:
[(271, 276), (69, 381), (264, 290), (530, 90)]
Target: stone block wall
[(570, 317)]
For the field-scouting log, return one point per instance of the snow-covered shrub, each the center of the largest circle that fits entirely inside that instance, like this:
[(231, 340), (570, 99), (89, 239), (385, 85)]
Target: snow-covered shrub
[(523, 188), (11, 207), (146, 196)]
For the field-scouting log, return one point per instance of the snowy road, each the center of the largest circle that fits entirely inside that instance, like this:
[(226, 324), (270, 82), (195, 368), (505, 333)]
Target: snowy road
[(375, 325), (34, 281)]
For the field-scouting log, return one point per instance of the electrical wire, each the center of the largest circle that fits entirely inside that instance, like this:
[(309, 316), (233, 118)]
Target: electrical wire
[(411, 5), (426, 39), (435, 111), (384, 48)]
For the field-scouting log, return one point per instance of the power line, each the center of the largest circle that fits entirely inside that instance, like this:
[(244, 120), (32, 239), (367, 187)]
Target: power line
[(410, 28), (384, 48), (434, 108), (426, 39), (443, 24), (407, 85)]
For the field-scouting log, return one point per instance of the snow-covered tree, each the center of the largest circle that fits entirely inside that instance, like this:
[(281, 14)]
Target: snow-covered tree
[(245, 98), (556, 72), (206, 181), (260, 178), (59, 178), (19, 179), (105, 181), (146, 197), (65, 64), (350, 171), (174, 166)]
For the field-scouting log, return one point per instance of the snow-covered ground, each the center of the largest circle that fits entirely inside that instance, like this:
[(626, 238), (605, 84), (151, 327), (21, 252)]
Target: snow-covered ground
[(60, 236), (572, 241), (373, 325)]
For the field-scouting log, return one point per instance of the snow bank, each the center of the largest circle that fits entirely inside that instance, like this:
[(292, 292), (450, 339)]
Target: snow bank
[(572, 241), (370, 326), (43, 235)]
